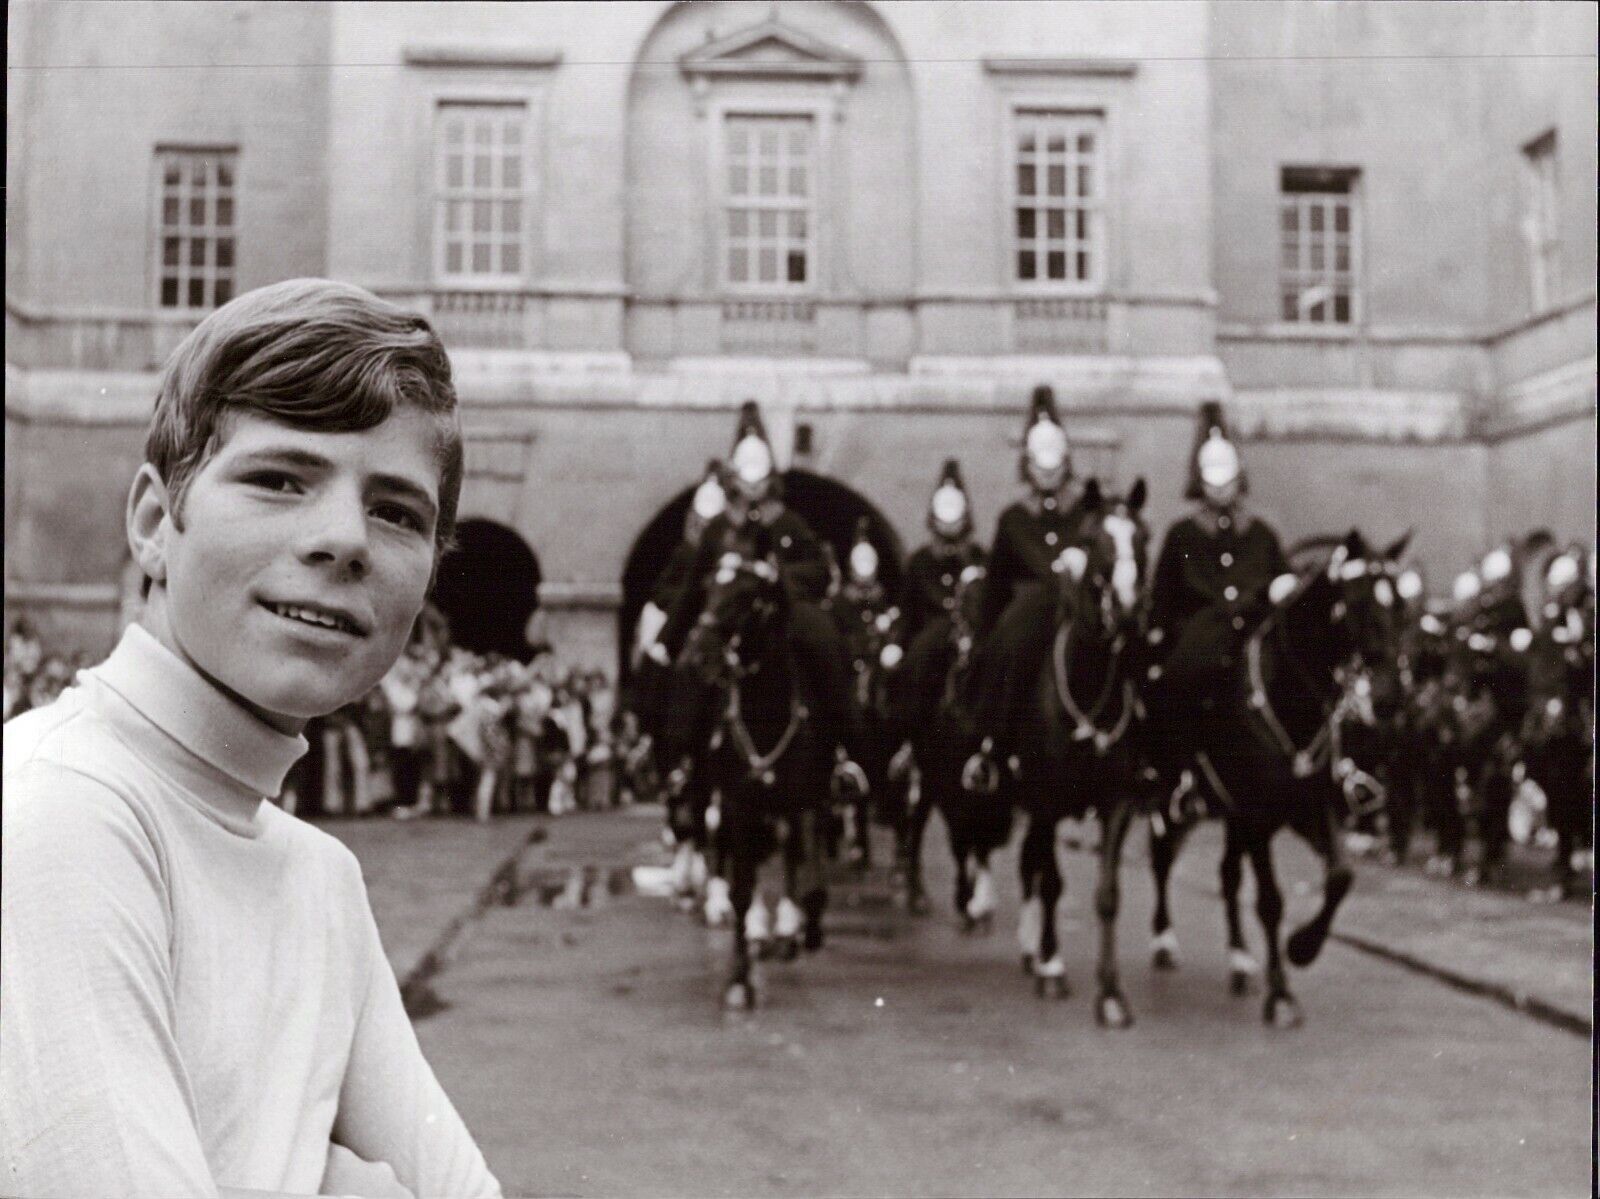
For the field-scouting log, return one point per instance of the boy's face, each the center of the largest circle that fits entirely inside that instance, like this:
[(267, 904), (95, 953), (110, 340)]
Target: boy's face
[(303, 561)]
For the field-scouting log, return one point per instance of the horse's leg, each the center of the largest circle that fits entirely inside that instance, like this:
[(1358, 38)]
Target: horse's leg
[(1280, 1009), (916, 824), (1321, 832), (1111, 1007), (811, 878), (1030, 920), (1049, 971), (1166, 839), (1241, 966), (740, 992), (787, 921)]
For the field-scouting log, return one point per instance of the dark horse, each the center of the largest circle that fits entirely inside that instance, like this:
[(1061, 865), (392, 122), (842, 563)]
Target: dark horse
[(1076, 754), (1264, 756), (943, 736), (766, 758)]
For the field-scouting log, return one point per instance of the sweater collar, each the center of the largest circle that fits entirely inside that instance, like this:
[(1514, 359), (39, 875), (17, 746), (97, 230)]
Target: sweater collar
[(200, 719)]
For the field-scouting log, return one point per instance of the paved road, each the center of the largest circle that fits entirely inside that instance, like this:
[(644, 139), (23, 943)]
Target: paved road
[(585, 1047)]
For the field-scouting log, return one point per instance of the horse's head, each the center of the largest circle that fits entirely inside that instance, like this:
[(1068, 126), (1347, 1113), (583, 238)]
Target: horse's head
[(745, 601), (1345, 606), (1106, 570)]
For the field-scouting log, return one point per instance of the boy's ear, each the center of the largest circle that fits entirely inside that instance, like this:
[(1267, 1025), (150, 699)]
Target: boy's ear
[(148, 525)]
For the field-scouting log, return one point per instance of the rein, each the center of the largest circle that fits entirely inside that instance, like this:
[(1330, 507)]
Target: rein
[(761, 766), (1084, 726)]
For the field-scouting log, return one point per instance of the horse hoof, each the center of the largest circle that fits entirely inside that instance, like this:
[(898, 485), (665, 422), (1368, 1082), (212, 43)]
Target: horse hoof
[(1112, 1011), (1303, 947), (739, 997), (1053, 987), (813, 940), (1164, 959), (1238, 983), (1281, 1011)]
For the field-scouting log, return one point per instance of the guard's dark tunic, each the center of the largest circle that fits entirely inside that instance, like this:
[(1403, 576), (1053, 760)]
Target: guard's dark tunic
[(1212, 569), (932, 576), (1030, 535), (674, 576)]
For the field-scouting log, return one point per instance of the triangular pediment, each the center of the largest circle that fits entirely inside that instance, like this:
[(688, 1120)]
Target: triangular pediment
[(771, 48)]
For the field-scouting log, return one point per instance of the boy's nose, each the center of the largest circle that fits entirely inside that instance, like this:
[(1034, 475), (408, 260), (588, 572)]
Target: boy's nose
[(339, 536)]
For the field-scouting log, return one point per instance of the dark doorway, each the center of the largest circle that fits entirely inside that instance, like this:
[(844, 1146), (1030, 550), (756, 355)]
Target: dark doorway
[(488, 588), (831, 509)]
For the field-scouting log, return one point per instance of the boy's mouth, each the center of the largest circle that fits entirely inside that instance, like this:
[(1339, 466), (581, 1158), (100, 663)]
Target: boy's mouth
[(317, 617)]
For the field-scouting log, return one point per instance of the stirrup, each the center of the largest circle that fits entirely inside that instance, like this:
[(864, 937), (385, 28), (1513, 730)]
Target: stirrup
[(981, 774)]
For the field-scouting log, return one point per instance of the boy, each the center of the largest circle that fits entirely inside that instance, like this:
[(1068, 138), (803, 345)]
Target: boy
[(196, 999)]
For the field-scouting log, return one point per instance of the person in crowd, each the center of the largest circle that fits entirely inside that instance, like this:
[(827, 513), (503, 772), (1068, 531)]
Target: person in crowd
[(1014, 623), (176, 1022)]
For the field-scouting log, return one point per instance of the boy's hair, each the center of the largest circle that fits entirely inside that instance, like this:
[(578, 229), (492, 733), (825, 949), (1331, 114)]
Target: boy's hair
[(310, 353)]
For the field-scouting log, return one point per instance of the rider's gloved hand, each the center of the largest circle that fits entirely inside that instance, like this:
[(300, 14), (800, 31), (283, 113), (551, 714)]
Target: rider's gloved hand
[(891, 656), (981, 774), (848, 779), (657, 653)]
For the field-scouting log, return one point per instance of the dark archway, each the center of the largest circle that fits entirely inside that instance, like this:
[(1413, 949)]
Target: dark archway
[(830, 507), (488, 588)]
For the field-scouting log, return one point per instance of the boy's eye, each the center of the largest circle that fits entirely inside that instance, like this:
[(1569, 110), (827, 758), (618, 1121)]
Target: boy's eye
[(272, 480), (399, 514)]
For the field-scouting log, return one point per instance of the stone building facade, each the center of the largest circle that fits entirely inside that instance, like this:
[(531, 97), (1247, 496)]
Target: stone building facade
[(1368, 228)]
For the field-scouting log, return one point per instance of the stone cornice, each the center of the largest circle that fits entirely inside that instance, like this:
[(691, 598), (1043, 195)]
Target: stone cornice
[(480, 55), (1121, 68)]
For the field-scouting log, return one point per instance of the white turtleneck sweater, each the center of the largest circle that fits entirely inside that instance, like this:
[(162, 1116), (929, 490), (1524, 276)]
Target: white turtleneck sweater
[(194, 993)]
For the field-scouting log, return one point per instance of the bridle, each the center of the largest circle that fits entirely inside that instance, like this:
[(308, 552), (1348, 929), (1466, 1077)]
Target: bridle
[(1086, 725)]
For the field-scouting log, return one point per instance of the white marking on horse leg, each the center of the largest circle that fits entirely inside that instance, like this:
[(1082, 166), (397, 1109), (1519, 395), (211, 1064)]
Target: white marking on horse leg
[(1166, 939), (719, 904), (1030, 926), (789, 918), (982, 902), (757, 921), (1241, 962), (1054, 968)]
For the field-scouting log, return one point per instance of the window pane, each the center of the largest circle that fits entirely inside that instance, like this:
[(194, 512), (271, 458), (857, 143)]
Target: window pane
[(455, 212), (511, 171), (169, 210), (738, 265), (1316, 255), (797, 266), (1024, 179), (1085, 182), (202, 172), (480, 258), (455, 171), (1025, 264), (1056, 143), (224, 290), (453, 135), (169, 292), (225, 212), (1290, 307), (1290, 218), (1026, 223), (197, 210), (1316, 218), (1341, 217), (1341, 308), (169, 251), (767, 223), (738, 180), (511, 130), (1083, 224), (1083, 265), (197, 251), (511, 258), (799, 138), (482, 216), (1056, 222), (481, 177), (197, 293), (1341, 257), (1025, 139), (171, 173), (769, 181), (767, 141), (511, 216), (738, 223), (797, 225), (452, 257), (1056, 184), (482, 132), (1055, 265), (225, 252), (797, 181), (767, 265), (1085, 143), (738, 139)]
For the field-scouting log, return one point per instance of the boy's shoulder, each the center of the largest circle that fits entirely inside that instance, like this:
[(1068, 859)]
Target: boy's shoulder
[(63, 735)]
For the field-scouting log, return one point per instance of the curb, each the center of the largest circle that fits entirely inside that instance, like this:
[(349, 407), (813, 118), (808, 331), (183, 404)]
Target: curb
[(1528, 1005), (416, 991)]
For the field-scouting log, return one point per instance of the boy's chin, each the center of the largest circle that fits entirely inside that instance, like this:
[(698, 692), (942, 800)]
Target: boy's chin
[(291, 700)]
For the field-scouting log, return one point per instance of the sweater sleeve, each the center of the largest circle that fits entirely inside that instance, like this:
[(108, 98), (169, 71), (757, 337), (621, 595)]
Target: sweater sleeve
[(391, 1107), (94, 1098)]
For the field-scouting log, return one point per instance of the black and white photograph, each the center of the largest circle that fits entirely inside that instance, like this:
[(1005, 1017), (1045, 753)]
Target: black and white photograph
[(799, 598)]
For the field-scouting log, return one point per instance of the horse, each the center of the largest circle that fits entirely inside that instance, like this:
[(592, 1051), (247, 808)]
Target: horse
[(865, 628), (942, 737), (1266, 759), (1075, 755), (767, 759)]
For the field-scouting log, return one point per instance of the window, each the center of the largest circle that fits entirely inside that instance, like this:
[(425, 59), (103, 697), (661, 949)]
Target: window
[(195, 227), (1320, 246), (1541, 224), (1059, 197), (769, 210), (481, 193)]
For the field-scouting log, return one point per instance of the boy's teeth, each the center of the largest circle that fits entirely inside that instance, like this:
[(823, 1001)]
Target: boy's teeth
[(308, 616)]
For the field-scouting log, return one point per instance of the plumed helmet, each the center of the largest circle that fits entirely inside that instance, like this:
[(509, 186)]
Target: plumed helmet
[(1044, 440), (709, 501), (752, 464), (863, 554), (950, 509), (1215, 458)]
